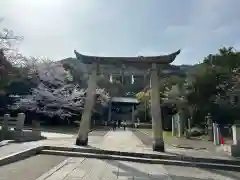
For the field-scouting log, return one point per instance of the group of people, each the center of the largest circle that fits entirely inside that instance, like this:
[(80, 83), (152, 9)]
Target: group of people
[(121, 123), (118, 124)]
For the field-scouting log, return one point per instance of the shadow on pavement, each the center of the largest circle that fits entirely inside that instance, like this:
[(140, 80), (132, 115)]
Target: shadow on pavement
[(230, 174), (130, 171), (146, 140)]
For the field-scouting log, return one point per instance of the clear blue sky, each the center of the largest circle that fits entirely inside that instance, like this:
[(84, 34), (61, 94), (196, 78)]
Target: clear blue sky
[(54, 28)]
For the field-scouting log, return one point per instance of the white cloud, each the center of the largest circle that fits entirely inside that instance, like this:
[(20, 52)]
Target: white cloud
[(123, 28)]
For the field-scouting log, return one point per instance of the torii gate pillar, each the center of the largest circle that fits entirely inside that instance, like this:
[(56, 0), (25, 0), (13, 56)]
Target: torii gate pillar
[(158, 143), (82, 138)]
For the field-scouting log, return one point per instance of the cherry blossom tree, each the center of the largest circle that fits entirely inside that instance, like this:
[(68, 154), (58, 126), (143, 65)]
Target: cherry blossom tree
[(10, 58), (8, 45), (56, 94)]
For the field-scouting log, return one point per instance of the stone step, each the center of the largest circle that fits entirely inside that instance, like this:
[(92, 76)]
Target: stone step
[(227, 167), (144, 155), (20, 155), (5, 142)]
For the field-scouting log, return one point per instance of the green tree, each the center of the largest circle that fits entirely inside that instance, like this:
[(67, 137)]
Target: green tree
[(209, 86), (115, 88)]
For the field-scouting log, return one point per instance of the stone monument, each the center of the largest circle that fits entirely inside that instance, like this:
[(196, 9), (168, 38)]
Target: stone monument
[(235, 147)]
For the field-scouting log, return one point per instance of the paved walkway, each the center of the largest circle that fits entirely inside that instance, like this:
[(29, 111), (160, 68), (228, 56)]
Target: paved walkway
[(95, 169), (120, 140)]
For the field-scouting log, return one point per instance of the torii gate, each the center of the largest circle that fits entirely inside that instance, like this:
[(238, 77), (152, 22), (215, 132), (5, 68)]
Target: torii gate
[(111, 65)]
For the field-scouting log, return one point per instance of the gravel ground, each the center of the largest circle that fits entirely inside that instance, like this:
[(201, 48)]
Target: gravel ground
[(146, 137), (195, 148), (30, 168)]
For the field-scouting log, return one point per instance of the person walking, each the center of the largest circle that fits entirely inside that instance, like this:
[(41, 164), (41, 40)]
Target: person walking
[(135, 125), (138, 122), (124, 124), (114, 125), (119, 123)]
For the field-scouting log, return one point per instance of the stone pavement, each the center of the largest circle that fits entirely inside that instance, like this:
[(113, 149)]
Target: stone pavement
[(29, 168), (54, 139), (120, 140), (96, 169), (127, 141)]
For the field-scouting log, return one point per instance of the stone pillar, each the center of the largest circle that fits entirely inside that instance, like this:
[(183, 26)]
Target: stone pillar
[(236, 134), (110, 111), (182, 125), (179, 125), (210, 127), (133, 110), (158, 143), (5, 126), (216, 134), (82, 138), (36, 128), (174, 125), (19, 125), (235, 147), (20, 121)]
